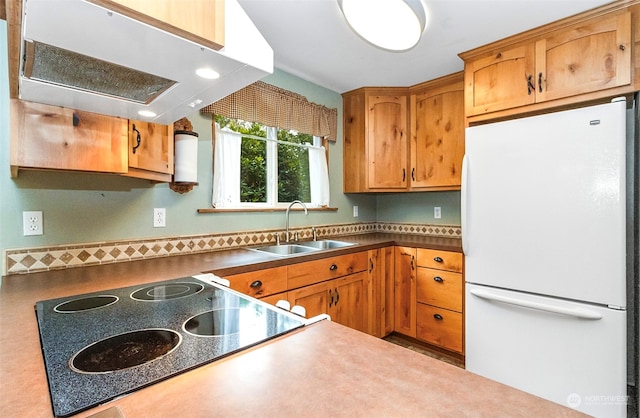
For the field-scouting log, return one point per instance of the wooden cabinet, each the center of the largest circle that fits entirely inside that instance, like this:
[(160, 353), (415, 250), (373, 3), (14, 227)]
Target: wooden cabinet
[(439, 297), (404, 139), (375, 151), (48, 137), (201, 21), (380, 276), (150, 150), (437, 133), (304, 274), (344, 299), (405, 291), (553, 66)]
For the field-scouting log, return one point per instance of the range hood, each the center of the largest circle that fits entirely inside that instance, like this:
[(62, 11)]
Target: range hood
[(81, 55)]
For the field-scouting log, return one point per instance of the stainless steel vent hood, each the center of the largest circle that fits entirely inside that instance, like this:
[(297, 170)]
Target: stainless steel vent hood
[(79, 55)]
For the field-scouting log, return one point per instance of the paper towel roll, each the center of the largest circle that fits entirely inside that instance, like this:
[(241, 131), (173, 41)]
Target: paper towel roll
[(186, 157)]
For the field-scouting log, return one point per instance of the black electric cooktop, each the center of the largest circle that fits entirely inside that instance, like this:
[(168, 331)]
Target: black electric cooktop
[(101, 345)]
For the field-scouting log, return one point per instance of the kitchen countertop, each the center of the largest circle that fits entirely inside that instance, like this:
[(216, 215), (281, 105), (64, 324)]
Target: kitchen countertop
[(325, 368)]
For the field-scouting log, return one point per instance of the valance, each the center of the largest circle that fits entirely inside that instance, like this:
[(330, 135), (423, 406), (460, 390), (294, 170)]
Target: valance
[(272, 106)]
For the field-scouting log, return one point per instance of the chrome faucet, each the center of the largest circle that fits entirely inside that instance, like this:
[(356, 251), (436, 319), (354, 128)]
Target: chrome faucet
[(287, 216)]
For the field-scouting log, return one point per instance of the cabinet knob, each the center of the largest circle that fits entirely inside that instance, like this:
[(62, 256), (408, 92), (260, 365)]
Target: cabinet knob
[(333, 267), (438, 279), (437, 259), (256, 284), (438, 317)]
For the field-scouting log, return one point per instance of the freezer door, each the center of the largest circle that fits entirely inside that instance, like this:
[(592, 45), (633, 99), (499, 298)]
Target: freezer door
[(569, 353), (543, 204)]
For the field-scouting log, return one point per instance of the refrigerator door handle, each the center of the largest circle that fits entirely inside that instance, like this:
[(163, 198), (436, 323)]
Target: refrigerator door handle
[(575, 312), (463, 204)]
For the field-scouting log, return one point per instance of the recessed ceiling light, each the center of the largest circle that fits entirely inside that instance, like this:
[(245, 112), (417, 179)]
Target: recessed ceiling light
[(207, 73), (394, 25), (146, 113)]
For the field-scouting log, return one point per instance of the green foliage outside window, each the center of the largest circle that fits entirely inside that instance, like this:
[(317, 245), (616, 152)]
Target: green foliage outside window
[(293, 163)]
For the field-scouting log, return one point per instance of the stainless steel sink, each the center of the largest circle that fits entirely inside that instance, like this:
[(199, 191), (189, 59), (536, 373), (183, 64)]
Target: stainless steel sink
[(326, 244), (286, 250)]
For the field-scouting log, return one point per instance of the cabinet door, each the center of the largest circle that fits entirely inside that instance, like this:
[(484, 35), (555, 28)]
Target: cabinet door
[(585, 58), (53, 137), (150, 150), (405, 291), (387, 142), (348, 301), (500, 81), (438, 138), (381, 291), (314, 298)]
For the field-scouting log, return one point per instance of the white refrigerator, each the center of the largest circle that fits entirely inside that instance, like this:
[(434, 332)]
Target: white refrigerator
[(543, 231)]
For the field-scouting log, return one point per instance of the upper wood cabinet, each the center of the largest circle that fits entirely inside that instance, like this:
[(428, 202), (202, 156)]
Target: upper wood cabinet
[(50, 137), (201, 21), (150, 150), (375, 140), (56, 138), (437, 133), (404, 139), (580, 59)]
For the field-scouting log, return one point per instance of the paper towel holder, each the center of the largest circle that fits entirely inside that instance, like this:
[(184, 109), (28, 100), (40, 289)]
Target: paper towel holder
[(185, 156)]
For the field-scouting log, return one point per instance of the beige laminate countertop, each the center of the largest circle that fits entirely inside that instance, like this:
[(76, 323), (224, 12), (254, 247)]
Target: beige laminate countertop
[(324, 369)]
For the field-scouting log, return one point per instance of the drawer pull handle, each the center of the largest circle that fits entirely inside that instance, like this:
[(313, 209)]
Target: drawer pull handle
[(333, 267), (256, 284), (438, 317), (337, 298), (438, 279), (437, 259), (331, 296)]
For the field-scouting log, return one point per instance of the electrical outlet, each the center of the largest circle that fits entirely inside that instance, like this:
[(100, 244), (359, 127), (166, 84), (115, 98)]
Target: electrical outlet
[(159, 217), (437, 212), (32, 223), (355, 211)]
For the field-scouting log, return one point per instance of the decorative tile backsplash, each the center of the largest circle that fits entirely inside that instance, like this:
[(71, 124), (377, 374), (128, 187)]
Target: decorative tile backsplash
[(30, 260)]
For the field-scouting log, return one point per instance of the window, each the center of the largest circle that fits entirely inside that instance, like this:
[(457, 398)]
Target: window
[(260, 166)]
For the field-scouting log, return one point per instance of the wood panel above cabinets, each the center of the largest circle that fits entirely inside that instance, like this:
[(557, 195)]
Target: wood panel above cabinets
[(404, 139), (584, 58)]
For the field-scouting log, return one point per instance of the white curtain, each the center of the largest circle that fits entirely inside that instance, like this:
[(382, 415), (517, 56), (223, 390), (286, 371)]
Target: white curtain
[(226, 168), (318, 176)]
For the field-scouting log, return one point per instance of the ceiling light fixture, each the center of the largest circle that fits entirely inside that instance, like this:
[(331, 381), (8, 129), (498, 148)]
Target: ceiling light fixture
[(394, 25)]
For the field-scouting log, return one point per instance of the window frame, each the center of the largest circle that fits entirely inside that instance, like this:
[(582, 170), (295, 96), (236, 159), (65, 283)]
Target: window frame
[(272, 143)]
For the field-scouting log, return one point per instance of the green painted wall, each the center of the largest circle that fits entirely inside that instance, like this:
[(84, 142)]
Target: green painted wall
[(79, 207)]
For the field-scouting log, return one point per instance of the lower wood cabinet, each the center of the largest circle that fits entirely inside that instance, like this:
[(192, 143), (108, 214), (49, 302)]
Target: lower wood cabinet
[(344, 299), (429, 290), (439, 299), (405, 291)]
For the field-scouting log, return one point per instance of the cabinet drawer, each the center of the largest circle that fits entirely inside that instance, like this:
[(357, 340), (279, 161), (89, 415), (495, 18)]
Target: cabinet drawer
[(303, 274), (439, 288), (260, 283), (440, 327), (441, 260)]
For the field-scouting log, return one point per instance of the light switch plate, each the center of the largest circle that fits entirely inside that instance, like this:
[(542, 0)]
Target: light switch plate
[(437, 212)]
